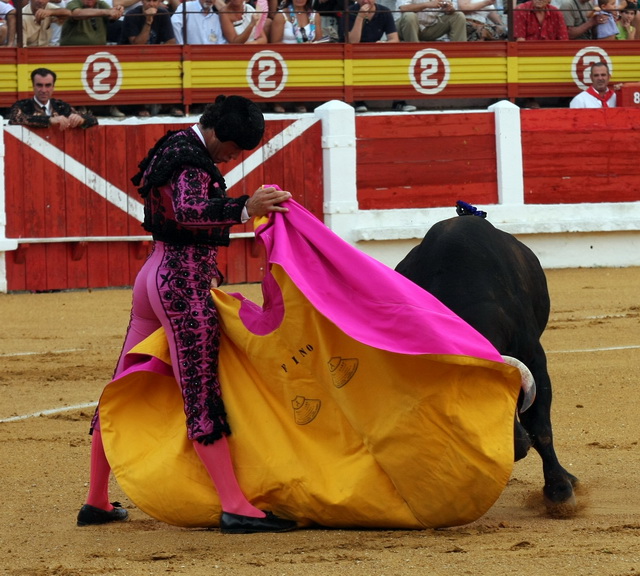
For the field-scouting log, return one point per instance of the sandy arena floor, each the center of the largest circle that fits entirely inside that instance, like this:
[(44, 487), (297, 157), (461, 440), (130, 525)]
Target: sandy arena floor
[(58, 350)]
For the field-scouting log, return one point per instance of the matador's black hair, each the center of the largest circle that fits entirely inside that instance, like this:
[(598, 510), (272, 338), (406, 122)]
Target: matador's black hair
[(235, 118)]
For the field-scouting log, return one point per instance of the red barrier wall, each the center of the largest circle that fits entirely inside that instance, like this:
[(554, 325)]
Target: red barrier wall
[(403, 161), (45, 200), (573, 156), (569, 156), (422, 161)]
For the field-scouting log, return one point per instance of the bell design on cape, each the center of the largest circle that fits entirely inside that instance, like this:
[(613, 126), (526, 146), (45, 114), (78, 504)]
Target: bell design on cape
[(342, 370), (305, 409)]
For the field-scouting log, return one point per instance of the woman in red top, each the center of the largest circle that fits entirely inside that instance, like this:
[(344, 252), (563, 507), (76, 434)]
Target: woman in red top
[(538, 20)]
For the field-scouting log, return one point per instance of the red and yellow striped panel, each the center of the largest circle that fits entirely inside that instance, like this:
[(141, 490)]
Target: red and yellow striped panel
[(280, 72)]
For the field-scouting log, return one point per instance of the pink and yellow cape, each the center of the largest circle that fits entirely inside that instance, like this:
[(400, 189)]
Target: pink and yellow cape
[(356, 399)]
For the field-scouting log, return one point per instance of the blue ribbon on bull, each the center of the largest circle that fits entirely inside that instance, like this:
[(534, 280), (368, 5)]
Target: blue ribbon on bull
[(465, 209)]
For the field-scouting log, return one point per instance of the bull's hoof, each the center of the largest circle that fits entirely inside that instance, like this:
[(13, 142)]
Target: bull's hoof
[(566, 509), (560, 499)]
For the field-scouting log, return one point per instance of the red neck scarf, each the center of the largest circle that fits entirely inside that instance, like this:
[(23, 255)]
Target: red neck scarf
[(604, 99)]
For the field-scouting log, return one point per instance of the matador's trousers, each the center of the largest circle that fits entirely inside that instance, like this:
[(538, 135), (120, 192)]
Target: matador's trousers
[(173, 291)]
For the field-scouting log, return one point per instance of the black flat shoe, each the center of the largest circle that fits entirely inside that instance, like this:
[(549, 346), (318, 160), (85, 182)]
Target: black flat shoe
[(89, 515), (236, 524)]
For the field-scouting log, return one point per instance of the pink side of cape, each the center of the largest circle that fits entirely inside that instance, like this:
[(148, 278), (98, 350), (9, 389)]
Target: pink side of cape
[(367, 300)]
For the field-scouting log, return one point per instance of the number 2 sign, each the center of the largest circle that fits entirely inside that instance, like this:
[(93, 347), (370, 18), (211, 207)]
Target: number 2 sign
[(101, 75), (429, 71), (267, 73)]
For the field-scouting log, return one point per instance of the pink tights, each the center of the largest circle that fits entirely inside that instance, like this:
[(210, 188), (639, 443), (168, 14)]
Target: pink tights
[(216, 458), (147, 315)]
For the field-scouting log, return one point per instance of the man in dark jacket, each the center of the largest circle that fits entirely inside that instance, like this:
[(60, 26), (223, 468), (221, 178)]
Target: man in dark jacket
[(43, 111), (149, 23)]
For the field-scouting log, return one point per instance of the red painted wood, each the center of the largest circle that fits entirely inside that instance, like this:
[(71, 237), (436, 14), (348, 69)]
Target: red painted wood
[(14, 169), (437, 196), (425, 161), (572, 156), (253, 269), (118, 220), (54, 220), (34, 200), (76, 204), (404, 161), (410, 126), (98, 213), (629, 95)]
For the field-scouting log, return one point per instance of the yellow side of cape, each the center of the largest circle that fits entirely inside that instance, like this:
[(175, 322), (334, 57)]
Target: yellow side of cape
[(326, 430)]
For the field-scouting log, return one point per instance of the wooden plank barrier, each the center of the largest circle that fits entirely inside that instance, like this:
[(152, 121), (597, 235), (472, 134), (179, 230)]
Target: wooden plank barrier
[(378, 180), (422, 161), (573, 157), (68, 193)]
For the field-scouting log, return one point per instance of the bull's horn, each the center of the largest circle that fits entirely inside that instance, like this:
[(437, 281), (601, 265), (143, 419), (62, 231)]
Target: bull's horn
[(526, 381)]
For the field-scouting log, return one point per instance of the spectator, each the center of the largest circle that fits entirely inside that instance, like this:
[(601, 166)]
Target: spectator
[(428, 20), (329, 11), (7, 24), (38, 16), (371, 22), (626, 30), (538, 20), (598, 95), (295, 23), (240, 23), (199, 21), (43, 111), (87, 25), (484, 22), (608, 29), (114, 29), (149, 23), (580, 17)]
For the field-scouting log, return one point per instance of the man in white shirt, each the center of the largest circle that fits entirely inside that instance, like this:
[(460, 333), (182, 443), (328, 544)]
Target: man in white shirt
[(199, 21), (598, 95), (38, 19)]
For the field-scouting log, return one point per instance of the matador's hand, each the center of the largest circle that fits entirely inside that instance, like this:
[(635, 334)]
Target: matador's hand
[(265, 200)]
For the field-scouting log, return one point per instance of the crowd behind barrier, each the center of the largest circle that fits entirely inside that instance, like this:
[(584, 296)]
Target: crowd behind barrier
[(95, 22), (71, 23)]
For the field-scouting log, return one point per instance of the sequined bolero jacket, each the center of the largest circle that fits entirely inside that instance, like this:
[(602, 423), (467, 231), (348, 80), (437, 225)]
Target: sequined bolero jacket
[(185, 194)]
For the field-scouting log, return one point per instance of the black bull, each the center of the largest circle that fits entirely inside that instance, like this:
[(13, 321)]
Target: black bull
[(497, 285)]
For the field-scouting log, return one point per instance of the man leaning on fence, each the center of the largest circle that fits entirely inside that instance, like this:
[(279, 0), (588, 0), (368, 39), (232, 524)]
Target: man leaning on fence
[(599, 94), (88, 23), (580, 17), (38, 18), (198, 22), (43, 111)]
